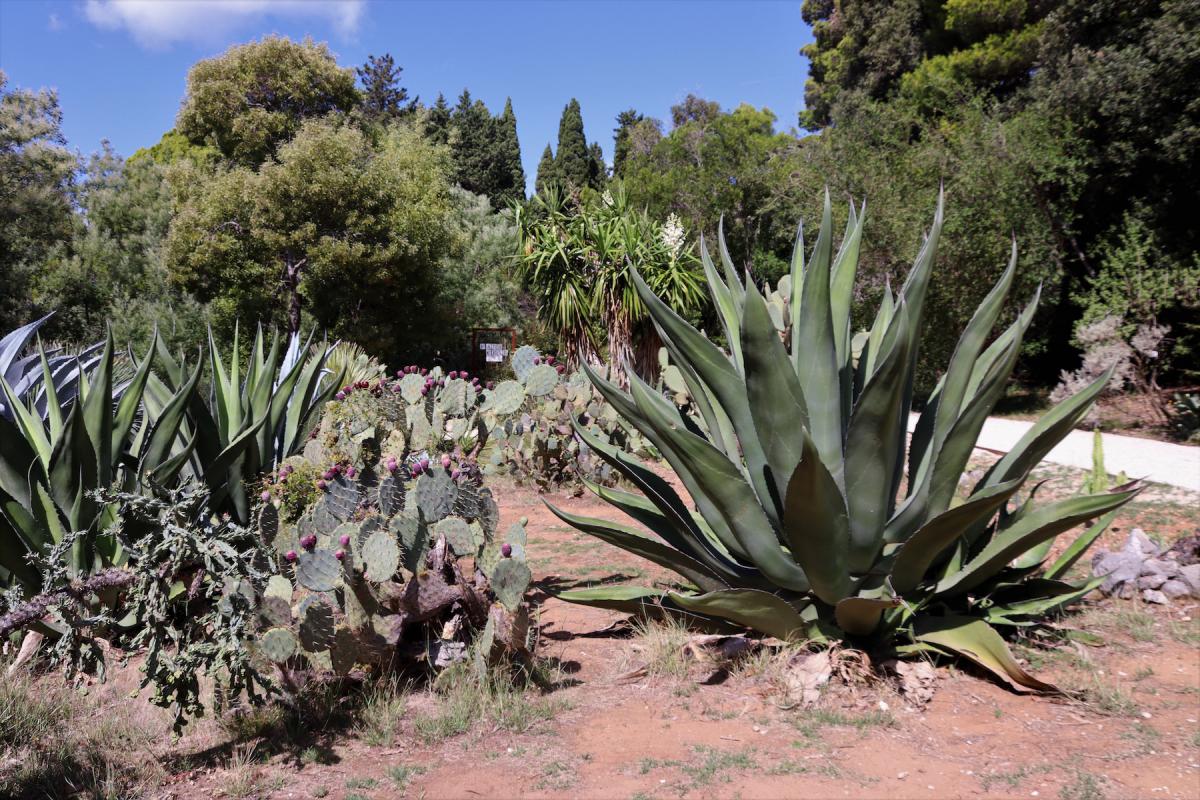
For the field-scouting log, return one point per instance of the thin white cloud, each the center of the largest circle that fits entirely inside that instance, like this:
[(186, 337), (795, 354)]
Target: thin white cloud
[(158, 24), (54, 24)]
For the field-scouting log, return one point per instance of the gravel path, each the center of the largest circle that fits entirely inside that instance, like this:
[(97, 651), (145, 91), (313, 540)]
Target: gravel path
[(1161, 462)]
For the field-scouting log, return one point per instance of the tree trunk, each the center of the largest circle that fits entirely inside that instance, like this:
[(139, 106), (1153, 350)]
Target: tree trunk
[(292, 272)]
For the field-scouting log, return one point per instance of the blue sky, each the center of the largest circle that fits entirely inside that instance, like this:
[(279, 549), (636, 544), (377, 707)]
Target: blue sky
[(120, 65)]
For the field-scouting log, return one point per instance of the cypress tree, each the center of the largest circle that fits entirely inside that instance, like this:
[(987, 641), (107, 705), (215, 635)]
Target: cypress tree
[(474, 146), (545, 170), (511, 176), (571, 159), (597, 172), (437, 127)]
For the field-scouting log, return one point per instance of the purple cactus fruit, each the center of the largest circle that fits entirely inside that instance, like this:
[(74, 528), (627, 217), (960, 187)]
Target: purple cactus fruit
[(452, 374), (424, 462), (424, 391), (288, 469), (560, 369), (309, 541), (340, 396), (290, 555), (351, 472), (506, 550), (321, 484), (265, 496), (456, 474), (344, 540), (327, 475), (339, 554), (491, 385), (445, 461), (415, 469), (537, 359)]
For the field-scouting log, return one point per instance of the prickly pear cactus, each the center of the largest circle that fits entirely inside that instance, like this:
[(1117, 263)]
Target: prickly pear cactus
[(374, 566)]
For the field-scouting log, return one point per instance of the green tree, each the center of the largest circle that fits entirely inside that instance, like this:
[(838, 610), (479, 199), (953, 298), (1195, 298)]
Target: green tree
[(626, 120), (111, 275), (36, 181), (572, 164), (437, 124), (509, 159), (597, 171), (254, 97), (714, 164), (383, 98), (346, 230)]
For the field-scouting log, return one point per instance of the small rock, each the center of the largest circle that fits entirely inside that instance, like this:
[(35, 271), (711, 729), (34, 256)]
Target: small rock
[(1154, 596), (1151, 581), (1141, 544), (1174, 589), (1161, 566), (1118, 568), (1127, 591), (1191, 576)]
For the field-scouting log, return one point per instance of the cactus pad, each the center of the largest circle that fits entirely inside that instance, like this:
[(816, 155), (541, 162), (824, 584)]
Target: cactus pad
[(522, 360), (268, 522), (413, 537), (319, 571), (410, 387), (510, 578), (391, 495), (275, 611), (541, 380), (489, 512), (316, 624), (380, 556), (507, 397), (458, 535), (342, 496), (436, 492), (278, 586), (278, 644)]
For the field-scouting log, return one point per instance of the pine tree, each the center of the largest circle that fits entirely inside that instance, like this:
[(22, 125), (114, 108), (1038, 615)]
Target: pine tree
[(512, 174), (437, 126), (545, 171), (383, 97), (625, 122), (571, 158), (597, 171)]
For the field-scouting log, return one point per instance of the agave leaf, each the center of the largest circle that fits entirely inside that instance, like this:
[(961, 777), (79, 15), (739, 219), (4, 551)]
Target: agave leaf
[(626, 599), (731, 273), (1079, 546), (713, 367), (1046, 522), (166, 427), (73, 468), (841, 283), (29, 425), (18, 460), (130, 400), (631, 541), (1045, 434), (977, 641), (692, 542), (814, 354), (98, 414), (775, 399), (1002, 613), (721, 492), (923, 547), (815, 526), (751, 608), (727, 309), (874, 442), (859, 616)]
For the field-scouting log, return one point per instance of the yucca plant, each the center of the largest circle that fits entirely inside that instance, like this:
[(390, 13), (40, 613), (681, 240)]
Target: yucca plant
[(256, 414), (797, 456)]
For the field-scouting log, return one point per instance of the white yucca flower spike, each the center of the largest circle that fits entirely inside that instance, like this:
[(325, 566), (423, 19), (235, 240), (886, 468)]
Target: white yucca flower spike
[(673, 234)]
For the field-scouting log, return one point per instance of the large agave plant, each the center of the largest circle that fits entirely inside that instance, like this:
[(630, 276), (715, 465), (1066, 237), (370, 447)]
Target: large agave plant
[(55, 455), (256, 414), (804, 525), (31, 382)]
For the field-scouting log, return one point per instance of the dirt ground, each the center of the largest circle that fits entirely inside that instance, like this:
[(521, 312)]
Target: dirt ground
[(610, 730)]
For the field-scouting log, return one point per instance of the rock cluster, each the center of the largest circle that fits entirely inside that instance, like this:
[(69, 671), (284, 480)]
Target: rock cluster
[(1159, 574)]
